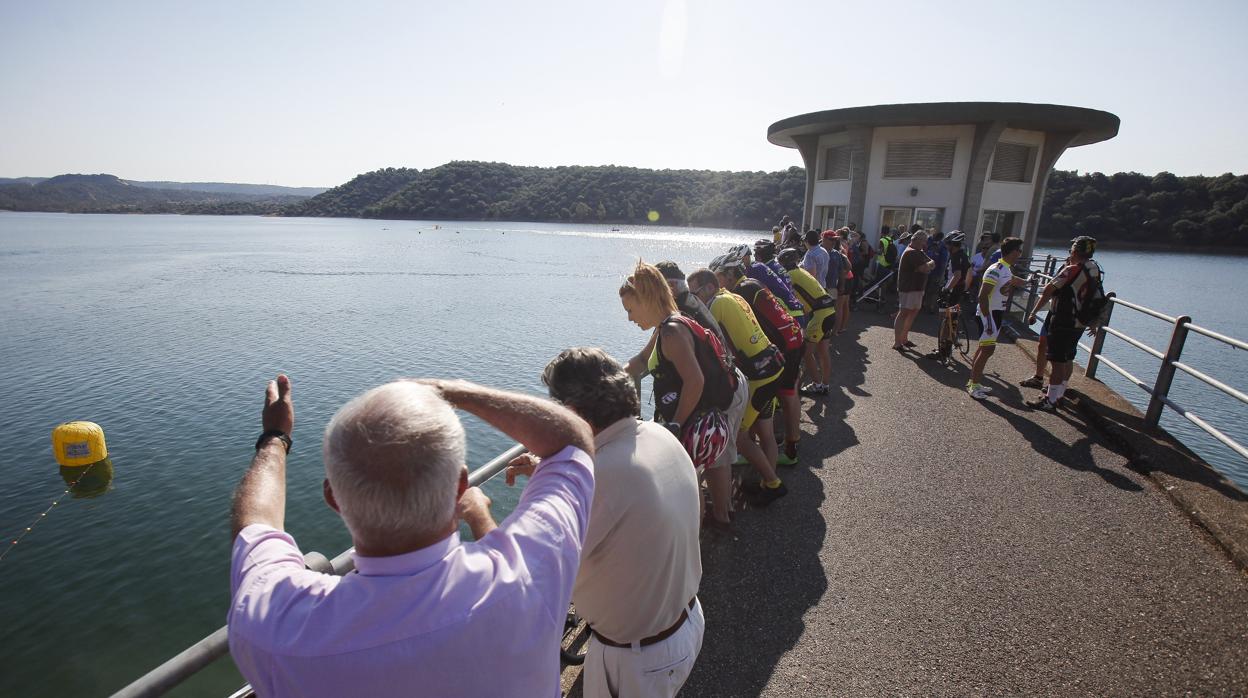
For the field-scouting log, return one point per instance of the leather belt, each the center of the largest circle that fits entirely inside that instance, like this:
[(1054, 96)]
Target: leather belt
[(653, 639)]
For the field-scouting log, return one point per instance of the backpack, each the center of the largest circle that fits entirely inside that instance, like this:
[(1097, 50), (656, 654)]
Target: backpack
[(1094, 310), (780, 327), (720, 380)]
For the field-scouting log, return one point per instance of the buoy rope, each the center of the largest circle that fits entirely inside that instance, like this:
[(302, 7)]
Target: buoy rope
[(13, 542)]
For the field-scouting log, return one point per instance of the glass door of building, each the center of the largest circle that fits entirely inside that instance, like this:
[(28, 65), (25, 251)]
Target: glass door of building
[(929, 218), (896, 218)]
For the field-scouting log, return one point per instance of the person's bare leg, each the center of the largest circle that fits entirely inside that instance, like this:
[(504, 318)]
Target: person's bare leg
[(755, 454), (792, 424), (814, 371), (981, 360), (842, 312), (719, 483), (825, 361), (909, 322), (1041, 349)]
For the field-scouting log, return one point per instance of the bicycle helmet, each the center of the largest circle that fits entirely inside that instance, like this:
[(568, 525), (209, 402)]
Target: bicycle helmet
[(764, 250), (789, 257), (705, 438), (726, 261), (957, 237)]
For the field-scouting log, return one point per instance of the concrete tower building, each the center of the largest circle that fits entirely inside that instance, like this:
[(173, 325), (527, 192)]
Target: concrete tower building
[(973, 166)]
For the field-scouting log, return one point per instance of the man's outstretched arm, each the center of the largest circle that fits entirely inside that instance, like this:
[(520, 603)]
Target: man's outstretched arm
[(541, 426), (261, 495)]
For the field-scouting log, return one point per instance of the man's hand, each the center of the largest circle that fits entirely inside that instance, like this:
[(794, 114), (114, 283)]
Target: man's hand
[(1031, 319), (523, 464), (474, 510), (279, 411)]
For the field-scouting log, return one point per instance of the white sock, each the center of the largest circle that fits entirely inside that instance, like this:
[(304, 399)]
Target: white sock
[(1055, 392)]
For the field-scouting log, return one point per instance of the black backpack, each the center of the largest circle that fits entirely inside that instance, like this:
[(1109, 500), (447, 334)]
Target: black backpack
[(1095, 307)]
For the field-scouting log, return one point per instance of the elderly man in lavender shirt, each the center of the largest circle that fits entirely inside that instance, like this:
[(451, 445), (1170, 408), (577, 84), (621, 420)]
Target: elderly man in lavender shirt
[(422, 608)]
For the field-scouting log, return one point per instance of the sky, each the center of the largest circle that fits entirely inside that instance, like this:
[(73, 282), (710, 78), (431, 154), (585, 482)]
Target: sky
[(312, 93)]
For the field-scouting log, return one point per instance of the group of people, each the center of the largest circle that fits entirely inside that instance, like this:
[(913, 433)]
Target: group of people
[(611, 515)]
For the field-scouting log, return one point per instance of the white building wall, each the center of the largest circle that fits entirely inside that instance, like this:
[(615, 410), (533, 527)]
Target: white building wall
[(932, 193), (1012, 196), (830, 192)]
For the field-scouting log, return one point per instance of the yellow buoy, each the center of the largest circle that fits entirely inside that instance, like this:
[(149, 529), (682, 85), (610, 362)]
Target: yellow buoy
[(78, 443)]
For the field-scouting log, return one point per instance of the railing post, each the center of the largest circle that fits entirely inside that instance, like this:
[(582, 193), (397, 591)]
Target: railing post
[(1161, 388), (1098, 342)]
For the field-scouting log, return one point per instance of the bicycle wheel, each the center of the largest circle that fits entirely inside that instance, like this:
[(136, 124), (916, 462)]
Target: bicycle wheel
[(964, 335)]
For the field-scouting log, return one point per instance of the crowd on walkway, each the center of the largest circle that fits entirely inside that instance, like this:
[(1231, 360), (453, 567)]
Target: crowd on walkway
[(612, 507)]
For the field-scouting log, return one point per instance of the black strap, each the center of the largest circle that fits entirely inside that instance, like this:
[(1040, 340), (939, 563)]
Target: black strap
[(274, 434)]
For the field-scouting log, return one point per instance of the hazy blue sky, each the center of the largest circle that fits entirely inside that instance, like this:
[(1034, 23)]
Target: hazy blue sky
[(312, 93)]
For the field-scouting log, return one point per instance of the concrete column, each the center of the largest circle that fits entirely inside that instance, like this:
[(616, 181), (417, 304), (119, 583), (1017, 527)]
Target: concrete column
[(860, 143), (808, 146), (986, 136), (1055, 143)]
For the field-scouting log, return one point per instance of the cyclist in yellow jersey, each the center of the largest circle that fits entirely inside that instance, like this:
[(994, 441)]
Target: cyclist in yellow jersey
[(821, 308), (762, 363)]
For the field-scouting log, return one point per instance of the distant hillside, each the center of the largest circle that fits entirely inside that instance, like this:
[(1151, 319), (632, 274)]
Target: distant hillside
[(105, 193), (609, 194), (230, 188)]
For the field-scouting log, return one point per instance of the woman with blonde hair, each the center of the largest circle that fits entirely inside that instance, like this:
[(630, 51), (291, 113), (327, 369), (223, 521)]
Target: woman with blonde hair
[(692, 386)]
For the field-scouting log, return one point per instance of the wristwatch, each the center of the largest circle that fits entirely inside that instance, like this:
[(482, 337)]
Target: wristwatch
[(274, 434)]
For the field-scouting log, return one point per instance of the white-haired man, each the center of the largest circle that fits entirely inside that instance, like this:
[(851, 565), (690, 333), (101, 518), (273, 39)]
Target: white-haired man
[(641, 565), (422, 609)]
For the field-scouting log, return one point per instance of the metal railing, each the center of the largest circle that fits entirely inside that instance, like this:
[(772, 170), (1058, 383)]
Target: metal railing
[(1159, 391), (199, 655)]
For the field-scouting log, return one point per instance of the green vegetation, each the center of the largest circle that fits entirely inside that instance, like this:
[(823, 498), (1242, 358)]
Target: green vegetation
[(1162, 210), (1138, 209), (603, 194)]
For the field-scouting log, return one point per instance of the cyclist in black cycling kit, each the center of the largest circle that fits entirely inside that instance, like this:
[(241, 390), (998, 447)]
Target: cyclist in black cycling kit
[(949, 300)]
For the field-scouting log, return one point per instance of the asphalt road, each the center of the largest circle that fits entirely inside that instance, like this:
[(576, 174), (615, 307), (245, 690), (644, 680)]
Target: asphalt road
[(935, 545)]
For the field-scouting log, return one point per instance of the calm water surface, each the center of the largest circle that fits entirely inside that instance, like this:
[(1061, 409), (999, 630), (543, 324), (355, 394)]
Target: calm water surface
[(163, 329)]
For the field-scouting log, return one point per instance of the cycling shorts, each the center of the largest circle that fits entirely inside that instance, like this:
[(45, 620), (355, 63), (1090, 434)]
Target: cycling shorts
[(762, 395), (986, 338), (821, 323), (792, 371)]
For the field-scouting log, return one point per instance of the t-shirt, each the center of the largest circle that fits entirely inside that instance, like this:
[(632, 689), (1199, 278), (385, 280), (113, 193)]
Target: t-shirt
[(641, 562), (910, 274), (998, 277), (816, 263), (1074, 287), (958, 264)]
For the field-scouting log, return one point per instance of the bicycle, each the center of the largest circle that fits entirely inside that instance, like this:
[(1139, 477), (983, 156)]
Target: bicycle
[(954, 330)]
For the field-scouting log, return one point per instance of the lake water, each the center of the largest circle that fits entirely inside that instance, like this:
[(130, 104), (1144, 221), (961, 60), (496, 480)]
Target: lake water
[(164, 329)]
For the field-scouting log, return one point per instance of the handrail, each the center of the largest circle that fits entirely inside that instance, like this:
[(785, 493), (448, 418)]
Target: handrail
[(191, 660), (1170, 363)]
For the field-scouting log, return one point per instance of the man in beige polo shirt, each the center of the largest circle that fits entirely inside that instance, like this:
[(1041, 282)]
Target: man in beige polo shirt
[(641, 564)]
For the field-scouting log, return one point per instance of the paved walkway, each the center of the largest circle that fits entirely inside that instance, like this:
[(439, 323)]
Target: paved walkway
[(933, 545)]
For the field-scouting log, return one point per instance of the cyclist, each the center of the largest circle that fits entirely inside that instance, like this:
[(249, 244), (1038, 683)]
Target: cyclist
[(820, 307), (693, 387), (990, 311), (765, 276), (1072, 286), (765, 255), (949, 299), (760, 361), (784, 332)]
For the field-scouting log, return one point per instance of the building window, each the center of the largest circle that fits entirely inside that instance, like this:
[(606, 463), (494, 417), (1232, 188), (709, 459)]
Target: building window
[(1004, 223), (832, 217), (926, 159), (1013, 162), (900, 218), (838, 163)]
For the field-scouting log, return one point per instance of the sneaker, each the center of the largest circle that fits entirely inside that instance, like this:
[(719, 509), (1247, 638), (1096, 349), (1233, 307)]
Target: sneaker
[(909, 345), (761, 495), (976, 391), (714, 525), (824, 388), (1033, 382), (1041, 403), (810, 390), (784, 460)]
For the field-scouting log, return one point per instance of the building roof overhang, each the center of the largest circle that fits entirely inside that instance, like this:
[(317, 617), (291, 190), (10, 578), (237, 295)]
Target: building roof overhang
[(1089, 125)]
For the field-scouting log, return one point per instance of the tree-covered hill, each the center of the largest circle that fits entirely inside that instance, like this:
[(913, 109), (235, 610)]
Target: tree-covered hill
[(105, 193), (606, 194), (1161, 210)]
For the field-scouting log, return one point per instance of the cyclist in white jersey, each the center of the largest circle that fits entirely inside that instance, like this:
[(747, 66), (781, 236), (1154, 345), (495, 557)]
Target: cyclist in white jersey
[(990, 311)]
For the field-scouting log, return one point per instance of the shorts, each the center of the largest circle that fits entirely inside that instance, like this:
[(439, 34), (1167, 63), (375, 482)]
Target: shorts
[(735, 411), (802, 320), (792, 371), (762, 395), (1063, 344), (821, 324), (1044, 326), (989, 339), (909, 300)]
